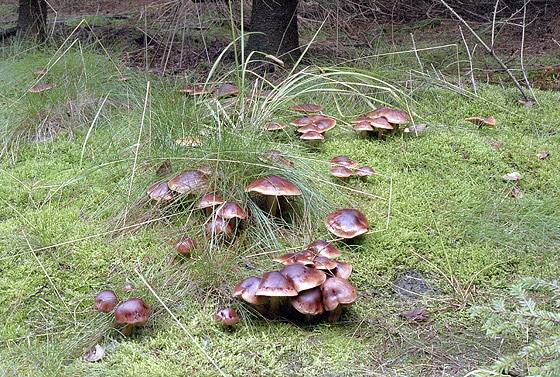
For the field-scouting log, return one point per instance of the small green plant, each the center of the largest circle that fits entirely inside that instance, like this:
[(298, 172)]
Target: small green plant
[(536, 311)]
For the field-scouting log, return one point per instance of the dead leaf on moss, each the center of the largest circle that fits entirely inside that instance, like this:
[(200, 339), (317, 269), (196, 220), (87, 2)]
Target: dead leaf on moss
[(526, 103), (95, 354), (189, 141), (542, 155), (415, 315), (514, 176)]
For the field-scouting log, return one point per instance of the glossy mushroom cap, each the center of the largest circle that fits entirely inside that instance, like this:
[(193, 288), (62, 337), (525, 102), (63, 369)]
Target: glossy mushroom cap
[(337, 291), (247, 289), (160, 191), (274, 284), (312, 135), (324, 263), (185, 246), (381, 123), (365, 171), (227, 316), (347, 223), (273, 126), (309, 301), (394, 116), (341, 172), (208, 201), (190, 181), (273, 185), (229, 210), (301, 121), (363, 126), (343, 161), (343, 270), (218, 226), (324, 249), (303, 277), (105, 301), (132, 312)]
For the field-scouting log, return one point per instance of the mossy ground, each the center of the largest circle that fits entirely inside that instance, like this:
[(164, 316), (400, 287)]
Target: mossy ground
[(75, 220)]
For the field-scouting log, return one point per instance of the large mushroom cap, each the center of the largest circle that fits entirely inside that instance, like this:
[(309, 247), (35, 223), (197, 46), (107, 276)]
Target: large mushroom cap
[(342, 270), (309, 301), (132, 312), (105, 301), (190, 181), (160, 191), (273, 185), (303, 277), (347, 223), (341, 172), (247, 289), (228, 316), (394, 116), (337, 291), (274, 284)]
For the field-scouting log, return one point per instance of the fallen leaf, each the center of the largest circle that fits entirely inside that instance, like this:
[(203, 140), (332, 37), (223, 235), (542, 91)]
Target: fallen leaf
[(526, 103), (40, 72), (542, 155), (95, 354), (124, 78), (415, 315), (516, 192), (490, 121), (416, 128), (514, 176)]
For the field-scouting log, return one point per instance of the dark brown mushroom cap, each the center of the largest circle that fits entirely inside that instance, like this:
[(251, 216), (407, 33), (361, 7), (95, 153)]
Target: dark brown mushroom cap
[(274, 284), (247, 290), (273, 185), (132, 312), (312, 135), (324, 123), (273, 126), (309, 301), (304, 257), (303, 277), (209, 200), (190, 181), (365, 171), (286, 259), (229, 210), (227, 90), (324, 249), (337, 291), (347, 223), (41, 87), (341, 172), (361, 119), (228, 316), (105, 301), (343, 270), (307, 128), (393, 116), (343, 161), (307, 108), (301, 121), (185, 246), (160, 191), (363, 126), (324, 263), (383, 123), (217, 225)]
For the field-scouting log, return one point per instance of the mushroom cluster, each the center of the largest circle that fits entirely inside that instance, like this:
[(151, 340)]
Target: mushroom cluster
[(342, 168), (310, 282), (128, 313), (380, 119)]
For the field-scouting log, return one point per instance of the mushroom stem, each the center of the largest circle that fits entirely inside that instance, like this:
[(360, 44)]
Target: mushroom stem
[(275, 304), (127, 330), (380, 133), (334, 315), (272, 204)]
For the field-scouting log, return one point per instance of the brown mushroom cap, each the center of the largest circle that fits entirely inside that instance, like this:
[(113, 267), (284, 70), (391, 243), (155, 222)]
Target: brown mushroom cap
[(347, 223), (273, 185), (304, 257), (218, 226), (363, 126), (341, 172), (273, 126), (41, 87), (185, 246), (309, 301), (308, 128), (229, 210), (307, 108), (105, 301), (159, 191), (363, 118), (490, 121), (303, 277), (365, 171), (228, 316), (132, 312), (324, 249), (324, 263), (343, 161), (301, 121), (381, 123), (312, 135), (323, 122), (285, 259), (394, 116), (247, 290), (337, 291), (343, 270), (209, 200), (274, 284), (190, 181)]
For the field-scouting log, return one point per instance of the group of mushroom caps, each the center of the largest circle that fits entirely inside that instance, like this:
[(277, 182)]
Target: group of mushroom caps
[(311, 282), (128, 313)]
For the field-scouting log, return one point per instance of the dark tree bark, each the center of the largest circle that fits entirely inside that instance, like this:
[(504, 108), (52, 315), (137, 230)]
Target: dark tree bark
[(32, 19), (274, 28)]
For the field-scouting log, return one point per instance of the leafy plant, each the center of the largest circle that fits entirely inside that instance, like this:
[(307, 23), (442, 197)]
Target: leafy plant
[(537, 311)]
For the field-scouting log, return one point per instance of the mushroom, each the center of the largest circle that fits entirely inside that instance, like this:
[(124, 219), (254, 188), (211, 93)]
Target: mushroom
[(343, 270), (311, 137), (324, 249), (274, 285), (227, 316), (309, 302), (303, 277), (341, 172), (159, 191), (105, 301), (41, 88), (185, 246), (272, 187), (217, 225), (273, 126), (364, 172), (490, 121), (324, 263), (226, 90), (381, 123), (307, 108), (276, 157), (189, 182), (298, 122), (131, 313), (343, 161), (208, 202), (514, 176), (347, 223), (337, 293), (247, 290), (364, 127)]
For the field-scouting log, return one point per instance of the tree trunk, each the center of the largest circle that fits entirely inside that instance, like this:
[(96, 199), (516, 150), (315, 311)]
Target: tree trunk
[(274, 28), (32, 19)]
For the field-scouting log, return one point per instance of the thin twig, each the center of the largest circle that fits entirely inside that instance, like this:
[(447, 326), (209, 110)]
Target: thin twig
[(490, 50), (470, 59), (521, 53)]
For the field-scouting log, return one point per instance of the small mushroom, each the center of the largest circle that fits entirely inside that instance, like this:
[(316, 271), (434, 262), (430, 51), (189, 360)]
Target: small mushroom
[(311, 137), (159, 191), (364, 172), (227, 316), (105, 301), (309, 302), (489, 121), (185, 246), (131, 313), (273, 126), (307, 108), (247, 290), (273, 187), (343, 161), (337, 293), (364, 127), (41, 88), (324, 249), (276, 157), (275, 286), (218, 226), (341, 172), (189, 182), (208, 202)]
